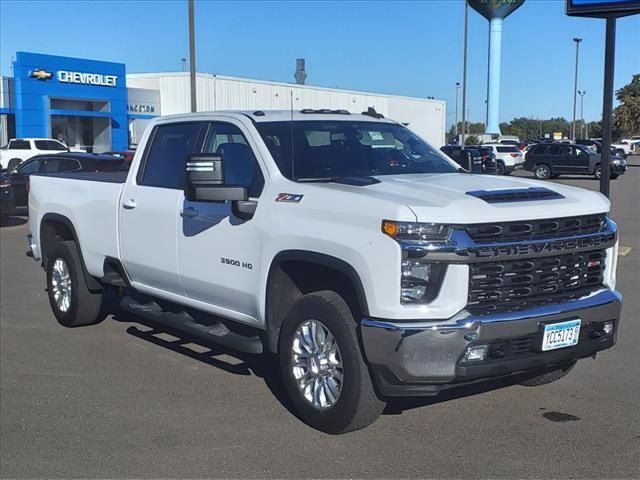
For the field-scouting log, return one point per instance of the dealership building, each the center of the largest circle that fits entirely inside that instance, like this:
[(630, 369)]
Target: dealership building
[(98, 106)]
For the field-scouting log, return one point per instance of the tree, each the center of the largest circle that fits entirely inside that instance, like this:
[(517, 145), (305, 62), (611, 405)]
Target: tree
[(471, 140), (626, 116)]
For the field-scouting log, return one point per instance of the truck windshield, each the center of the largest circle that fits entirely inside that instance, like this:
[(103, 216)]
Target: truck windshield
[(324, 150)]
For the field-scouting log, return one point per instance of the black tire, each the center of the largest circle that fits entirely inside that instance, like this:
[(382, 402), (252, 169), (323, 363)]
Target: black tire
[(548, 377), (500, 170), (357, 404), (13, 164), (555, 175), (84, 306), (597, 172), (614, 176), (542, 171)]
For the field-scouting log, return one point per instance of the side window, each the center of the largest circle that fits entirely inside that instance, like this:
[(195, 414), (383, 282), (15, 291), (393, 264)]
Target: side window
[(29, 167), (52, 165), (19, 145), (240, 164), (167, 154), (541, 150), (68, 165), (554, 150)]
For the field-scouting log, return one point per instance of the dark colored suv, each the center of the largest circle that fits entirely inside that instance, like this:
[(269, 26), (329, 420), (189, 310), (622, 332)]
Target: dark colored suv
[(555, 159), (469, 158)]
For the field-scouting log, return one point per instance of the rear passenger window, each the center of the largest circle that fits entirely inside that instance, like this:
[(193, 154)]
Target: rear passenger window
[(167, 154), (19, 145), (68, 165)]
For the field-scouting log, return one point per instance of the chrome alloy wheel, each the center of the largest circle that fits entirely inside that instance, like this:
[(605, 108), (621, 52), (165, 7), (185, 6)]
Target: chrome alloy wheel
[(316, 364), (61, 285)]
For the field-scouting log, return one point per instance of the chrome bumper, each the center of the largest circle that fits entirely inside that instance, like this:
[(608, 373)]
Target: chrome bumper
[(431, 352)]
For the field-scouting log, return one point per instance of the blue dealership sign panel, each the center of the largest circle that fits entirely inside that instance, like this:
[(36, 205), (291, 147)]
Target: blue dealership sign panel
[(603, 8), (39, 79)]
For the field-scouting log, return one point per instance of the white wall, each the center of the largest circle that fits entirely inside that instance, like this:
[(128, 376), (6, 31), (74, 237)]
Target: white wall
[(423, 116)]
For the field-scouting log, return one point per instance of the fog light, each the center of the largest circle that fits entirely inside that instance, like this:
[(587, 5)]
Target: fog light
[(607, 328), (476, 353)]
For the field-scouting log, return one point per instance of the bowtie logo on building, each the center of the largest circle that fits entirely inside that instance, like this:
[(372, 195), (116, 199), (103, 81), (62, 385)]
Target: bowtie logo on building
[(40, 74)]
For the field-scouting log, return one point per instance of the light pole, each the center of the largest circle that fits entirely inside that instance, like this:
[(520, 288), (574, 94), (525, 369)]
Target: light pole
[(582, 93), (575, 91), (457, 92), (464, 71), (192, 56)]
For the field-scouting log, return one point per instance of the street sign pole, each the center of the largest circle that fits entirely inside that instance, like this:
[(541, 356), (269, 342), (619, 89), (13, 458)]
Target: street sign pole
[(607, 104)]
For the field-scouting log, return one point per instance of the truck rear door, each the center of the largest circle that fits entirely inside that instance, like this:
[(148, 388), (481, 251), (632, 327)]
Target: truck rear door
[(150, 207)]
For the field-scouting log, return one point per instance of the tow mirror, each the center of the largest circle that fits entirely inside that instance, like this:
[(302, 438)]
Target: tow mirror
[(204, 180)]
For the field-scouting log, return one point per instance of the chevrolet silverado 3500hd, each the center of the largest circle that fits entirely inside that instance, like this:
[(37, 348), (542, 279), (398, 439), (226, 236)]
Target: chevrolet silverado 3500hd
[(365, 259)]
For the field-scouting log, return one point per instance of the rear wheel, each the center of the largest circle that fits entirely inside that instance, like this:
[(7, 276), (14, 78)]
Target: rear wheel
[(322, 367), (542, 172), (614, 176), (548, 377), (73, 304), (500, 168)]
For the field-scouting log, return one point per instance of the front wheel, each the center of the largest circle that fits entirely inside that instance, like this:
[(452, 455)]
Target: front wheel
[(598, 172), (542, 172), (73, 304), (322, 367), (614, 176)]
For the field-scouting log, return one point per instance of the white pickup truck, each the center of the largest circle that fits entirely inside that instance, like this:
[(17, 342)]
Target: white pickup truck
[(365, 259), (19, 150)]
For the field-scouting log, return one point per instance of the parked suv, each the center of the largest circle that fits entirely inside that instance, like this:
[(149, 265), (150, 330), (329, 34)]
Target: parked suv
[(552, 160), (469, 158), (508, 157)]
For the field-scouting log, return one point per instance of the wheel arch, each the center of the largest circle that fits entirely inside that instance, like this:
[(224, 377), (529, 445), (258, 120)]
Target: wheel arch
[(294, 273), (54, 226)]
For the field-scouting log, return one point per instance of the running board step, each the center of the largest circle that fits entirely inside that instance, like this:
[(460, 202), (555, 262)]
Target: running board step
[(217, 333)]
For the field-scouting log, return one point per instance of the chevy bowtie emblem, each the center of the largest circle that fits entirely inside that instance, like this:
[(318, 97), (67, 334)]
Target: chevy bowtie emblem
[(40, 74)]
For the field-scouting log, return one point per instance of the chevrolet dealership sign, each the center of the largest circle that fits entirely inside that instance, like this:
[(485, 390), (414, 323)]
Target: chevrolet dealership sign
[(82, 78), (97, 79)]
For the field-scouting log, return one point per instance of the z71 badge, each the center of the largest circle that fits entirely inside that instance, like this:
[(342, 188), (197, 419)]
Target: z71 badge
[(289, 197)]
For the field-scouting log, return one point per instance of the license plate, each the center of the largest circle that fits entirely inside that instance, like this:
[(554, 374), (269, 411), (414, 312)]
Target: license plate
[(560, 335)]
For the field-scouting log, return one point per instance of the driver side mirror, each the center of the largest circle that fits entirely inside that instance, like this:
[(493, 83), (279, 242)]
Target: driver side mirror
[(205, 182)]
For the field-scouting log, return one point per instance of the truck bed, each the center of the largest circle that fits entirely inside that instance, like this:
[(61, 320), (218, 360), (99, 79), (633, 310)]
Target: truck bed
[(90, 201)]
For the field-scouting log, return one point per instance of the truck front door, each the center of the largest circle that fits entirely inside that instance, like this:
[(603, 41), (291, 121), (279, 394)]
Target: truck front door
[(218, 252), (150, 208)]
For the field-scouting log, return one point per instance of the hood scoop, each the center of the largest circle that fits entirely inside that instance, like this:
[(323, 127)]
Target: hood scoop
[(515, 195)]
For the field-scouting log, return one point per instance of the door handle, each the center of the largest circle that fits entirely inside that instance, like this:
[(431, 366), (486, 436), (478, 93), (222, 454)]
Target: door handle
[(129, 204), (189, 212)]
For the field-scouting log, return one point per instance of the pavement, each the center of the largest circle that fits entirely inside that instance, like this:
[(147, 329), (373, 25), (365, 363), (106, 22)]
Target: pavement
[(122, 399)]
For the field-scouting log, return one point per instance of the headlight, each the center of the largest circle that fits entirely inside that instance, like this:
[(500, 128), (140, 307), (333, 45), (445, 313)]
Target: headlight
[(416, 231), (420, 281)]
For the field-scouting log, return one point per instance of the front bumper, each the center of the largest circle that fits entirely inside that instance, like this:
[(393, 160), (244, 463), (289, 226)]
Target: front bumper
[(422, 358)]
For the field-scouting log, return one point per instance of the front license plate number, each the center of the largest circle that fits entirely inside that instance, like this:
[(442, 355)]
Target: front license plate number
[(560, 335)]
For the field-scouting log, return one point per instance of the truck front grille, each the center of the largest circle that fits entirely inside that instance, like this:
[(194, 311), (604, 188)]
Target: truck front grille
[(499, 286), (537, 229)]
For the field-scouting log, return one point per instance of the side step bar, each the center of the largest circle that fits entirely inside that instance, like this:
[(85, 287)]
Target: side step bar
[(217, 333)]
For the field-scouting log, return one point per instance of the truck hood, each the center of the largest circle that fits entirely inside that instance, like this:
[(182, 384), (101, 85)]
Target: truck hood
[(445, 198)]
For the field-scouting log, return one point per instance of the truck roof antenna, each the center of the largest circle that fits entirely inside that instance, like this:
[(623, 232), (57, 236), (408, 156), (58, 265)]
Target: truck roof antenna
[(371, 111)]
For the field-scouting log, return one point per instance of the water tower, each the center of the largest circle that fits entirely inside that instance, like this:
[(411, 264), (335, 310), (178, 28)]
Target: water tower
[(495, 11)]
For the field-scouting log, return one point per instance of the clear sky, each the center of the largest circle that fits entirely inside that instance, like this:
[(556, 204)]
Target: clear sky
[(405, 48)]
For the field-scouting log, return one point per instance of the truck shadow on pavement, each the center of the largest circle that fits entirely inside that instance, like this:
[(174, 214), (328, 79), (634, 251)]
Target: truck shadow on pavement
[(265, 366)]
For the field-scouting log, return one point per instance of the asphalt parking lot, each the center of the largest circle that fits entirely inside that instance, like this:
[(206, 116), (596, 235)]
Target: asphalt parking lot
[(122, 399)]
